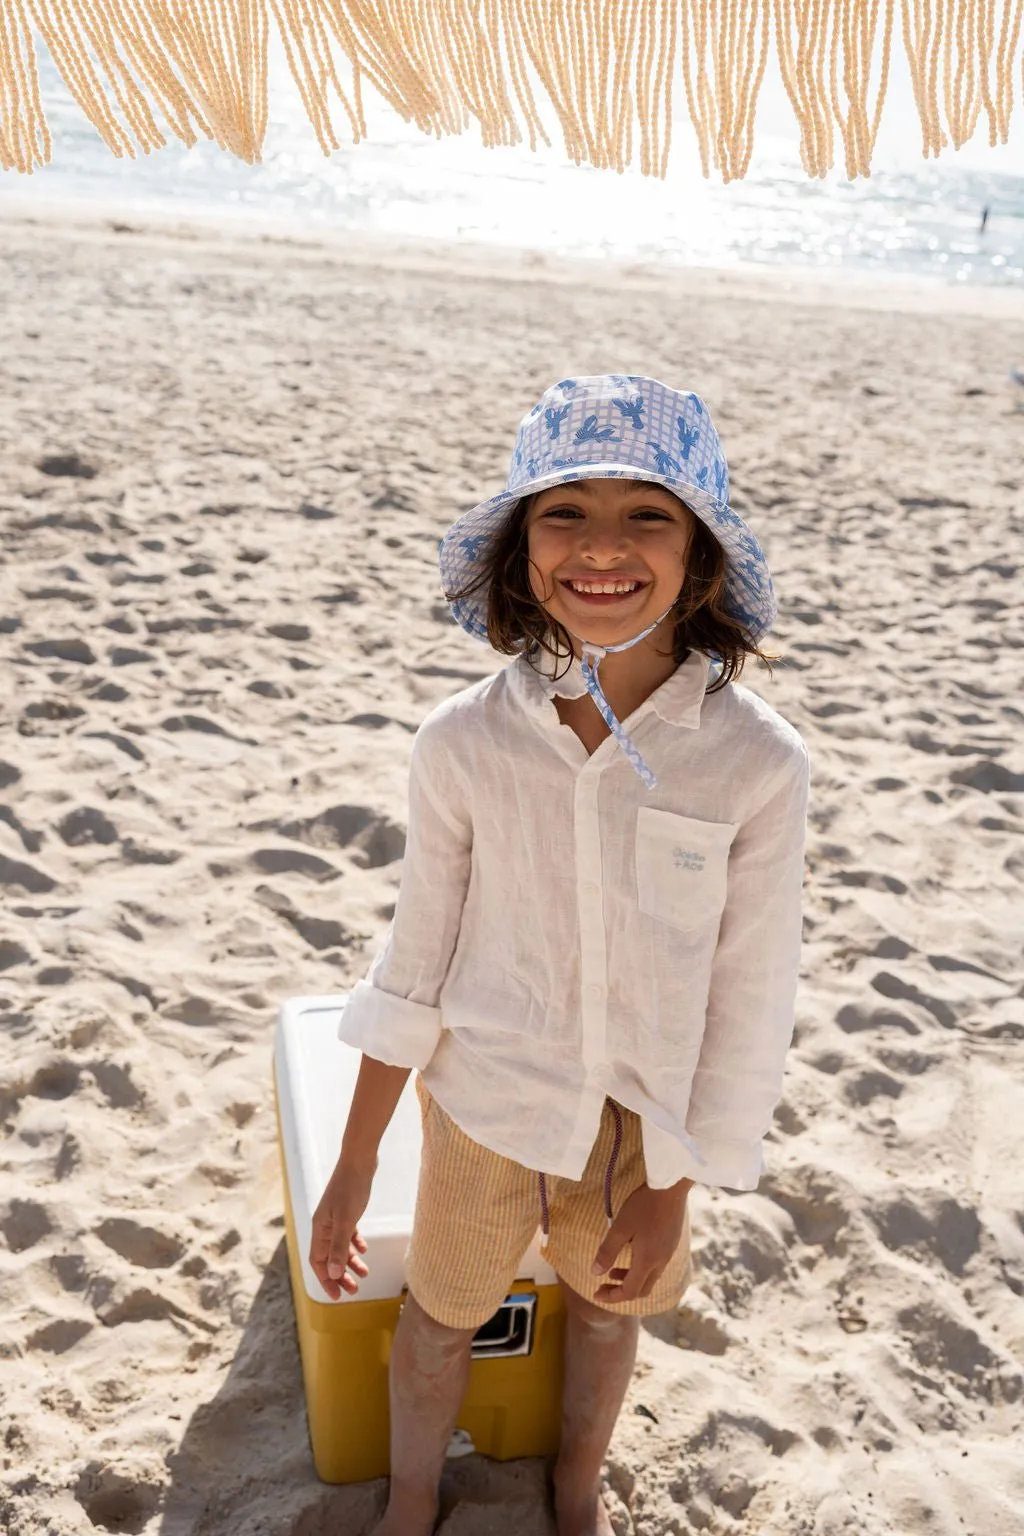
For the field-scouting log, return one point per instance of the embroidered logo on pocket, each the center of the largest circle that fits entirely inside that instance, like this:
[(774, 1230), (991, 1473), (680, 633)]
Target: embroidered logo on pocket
[(689, 858)]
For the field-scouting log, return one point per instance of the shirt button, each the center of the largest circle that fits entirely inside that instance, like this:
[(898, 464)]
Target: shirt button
[(591, 891), (595, 990)]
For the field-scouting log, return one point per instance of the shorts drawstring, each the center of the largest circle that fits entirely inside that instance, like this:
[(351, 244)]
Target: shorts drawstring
[(545, 1219), (616, 1149), (545, 1214)]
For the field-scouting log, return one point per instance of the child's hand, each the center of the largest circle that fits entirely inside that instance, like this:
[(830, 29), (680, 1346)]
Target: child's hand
[(651, 1221), (336, 1245)]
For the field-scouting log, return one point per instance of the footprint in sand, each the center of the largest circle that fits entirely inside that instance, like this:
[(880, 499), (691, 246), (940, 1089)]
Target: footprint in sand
[(58, 1337), (12, 954), (115, 1501), (281, 861), (934, 1224), (321, 933), (25, 877), (895, 987), (701, 1490), (24, 1224), (695, 1327), (748, 1246), (206, 727), (69, 464), (375, 838), (909, 1062), (70, 649), (141, 1306), (103, 557), (989, 778), (814, 1200), (700, 1332), (852, 1018), (53, 1080), (71, 1271), (53, 709), (141, 1245), (128, 656), (116, 1085), (134, 853), (952, 1353), (31, 841), (868, 879), (373, 722), (892, 948), (870, 1085), (294, 633), (86, 825)]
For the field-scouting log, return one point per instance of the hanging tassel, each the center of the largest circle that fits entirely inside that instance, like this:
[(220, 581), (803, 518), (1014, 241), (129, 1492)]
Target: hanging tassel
[(24, 136), (1009, 41), (605, 69)]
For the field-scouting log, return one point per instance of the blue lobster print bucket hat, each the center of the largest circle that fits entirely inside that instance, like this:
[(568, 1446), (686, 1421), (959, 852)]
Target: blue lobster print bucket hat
[(615, 426)]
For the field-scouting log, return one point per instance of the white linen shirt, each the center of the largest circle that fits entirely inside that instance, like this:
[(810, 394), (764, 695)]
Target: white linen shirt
[(562, 933)]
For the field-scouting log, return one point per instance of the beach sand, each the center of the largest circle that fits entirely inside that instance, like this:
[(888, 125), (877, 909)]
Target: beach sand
[(225, 462)]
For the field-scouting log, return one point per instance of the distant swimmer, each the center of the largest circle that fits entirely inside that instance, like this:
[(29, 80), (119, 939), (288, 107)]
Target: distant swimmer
[(1017, 375), (984, 220)]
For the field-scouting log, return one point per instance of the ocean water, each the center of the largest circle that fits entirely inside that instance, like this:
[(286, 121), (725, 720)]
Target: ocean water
[(911, 217)]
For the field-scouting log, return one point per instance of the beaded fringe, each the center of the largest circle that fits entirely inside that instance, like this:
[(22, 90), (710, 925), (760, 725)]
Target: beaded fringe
[(606, 68)]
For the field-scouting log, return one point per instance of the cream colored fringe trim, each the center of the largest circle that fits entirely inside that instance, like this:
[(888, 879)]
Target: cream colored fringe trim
[(607, 68)]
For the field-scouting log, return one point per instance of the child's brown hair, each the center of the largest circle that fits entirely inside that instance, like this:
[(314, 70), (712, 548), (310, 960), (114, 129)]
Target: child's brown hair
[(517, 622)]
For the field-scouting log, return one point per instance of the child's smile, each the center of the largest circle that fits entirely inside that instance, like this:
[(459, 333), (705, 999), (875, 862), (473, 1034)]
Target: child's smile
[(603, 590), (607, 555)]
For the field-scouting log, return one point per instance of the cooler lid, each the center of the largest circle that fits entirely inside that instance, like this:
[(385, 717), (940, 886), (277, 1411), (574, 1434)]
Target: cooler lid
[(316, 1077)]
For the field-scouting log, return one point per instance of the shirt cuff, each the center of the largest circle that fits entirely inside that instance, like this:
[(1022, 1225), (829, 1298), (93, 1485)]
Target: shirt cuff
[(730, 1164), (389, 1028)]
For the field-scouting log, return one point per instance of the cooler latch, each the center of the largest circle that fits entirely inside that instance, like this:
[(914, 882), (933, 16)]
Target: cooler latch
[(509, 1332)]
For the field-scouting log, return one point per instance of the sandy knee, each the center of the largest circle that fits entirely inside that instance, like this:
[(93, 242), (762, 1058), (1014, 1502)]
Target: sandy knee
[(600, 1319), (431, 1341)]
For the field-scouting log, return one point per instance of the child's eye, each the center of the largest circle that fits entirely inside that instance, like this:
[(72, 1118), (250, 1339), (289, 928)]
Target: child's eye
[(663, 517)]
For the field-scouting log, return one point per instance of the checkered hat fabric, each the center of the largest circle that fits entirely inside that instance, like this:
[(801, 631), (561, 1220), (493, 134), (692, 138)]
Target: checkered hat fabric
[(615, 426)]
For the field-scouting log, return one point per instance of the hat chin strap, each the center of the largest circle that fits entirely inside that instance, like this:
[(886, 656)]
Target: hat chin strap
[(590, 660)]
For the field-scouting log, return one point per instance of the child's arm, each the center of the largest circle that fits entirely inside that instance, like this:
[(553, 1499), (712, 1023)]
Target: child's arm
[(749, 1022), (336, 1243), (393, 1015)]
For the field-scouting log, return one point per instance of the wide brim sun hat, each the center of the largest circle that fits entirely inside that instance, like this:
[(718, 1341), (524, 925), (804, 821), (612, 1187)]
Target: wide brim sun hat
[(607, 427), (615, 427)]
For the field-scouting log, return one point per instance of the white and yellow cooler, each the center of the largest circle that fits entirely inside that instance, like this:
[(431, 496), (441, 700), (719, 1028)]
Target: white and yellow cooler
[(513, 1401)]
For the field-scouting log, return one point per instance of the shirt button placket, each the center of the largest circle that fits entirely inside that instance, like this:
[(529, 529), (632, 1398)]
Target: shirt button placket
[(590, 901)]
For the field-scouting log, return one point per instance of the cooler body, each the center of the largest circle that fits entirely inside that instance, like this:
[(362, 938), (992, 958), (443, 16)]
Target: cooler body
[(512, 1405)]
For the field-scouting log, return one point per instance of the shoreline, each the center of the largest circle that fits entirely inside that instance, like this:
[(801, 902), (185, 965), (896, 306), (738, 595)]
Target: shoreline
[(848, 287)]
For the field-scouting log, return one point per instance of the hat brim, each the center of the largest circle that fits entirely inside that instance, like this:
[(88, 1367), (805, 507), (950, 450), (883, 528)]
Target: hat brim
[(750, 597)]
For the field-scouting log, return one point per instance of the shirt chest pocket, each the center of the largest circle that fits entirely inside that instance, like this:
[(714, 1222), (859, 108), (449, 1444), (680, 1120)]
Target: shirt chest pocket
[(681, 867)]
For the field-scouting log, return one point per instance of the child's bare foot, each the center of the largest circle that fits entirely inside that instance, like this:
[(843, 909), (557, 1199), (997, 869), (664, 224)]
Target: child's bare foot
[(581, 1516), (409, 1520)]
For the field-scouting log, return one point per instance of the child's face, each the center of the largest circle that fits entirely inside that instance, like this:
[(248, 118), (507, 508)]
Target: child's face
[(608, 531)]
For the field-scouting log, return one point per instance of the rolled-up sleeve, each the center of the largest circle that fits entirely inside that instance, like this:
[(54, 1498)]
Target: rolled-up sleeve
[(752, 996), (393, 1015)]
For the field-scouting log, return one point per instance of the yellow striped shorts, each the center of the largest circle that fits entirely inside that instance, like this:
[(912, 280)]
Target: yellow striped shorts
[(477, 1213)]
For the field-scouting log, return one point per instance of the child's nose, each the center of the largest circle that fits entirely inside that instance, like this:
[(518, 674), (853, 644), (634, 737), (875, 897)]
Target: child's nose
[(603, 542)]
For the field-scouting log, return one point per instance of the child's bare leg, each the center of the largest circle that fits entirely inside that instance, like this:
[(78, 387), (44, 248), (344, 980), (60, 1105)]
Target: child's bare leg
[(428, 1375), (600, 1349)]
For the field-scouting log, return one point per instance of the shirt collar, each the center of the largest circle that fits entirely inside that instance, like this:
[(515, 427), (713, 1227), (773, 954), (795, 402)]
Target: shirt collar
[(677, 701)]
